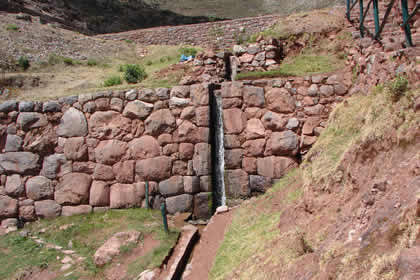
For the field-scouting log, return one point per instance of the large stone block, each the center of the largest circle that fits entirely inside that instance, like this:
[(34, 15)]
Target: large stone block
[(237, 184), (99, 194), (274, 121), (126, 196), (19, 162), (191, 184), (259, 183), (47, 209), (8, 207), (109, 125), (181, 203), (27, 213), (137, 110), (160, 122), (72, 124), (54, 165), (254, 148), (200, 94), (76, 149), (279, 100), (275, 167), (73, 188), (30, 120), (39, 187), (254, 129), (103, 172), (110, 151), (172, 186), (76, 210), (284, 143), (13, 143), (233, 158), (234, 121), (124, 171), (202, 116), (254, 96), (14, 186), (310, 124), (144, 147), (203, 205), (202, 159), (154, 169), (186, 151)]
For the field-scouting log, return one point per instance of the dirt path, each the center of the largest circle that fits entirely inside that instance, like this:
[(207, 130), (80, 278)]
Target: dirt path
[(206, 250)]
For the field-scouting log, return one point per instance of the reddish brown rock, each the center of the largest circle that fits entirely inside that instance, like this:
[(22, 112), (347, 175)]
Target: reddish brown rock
[(246, 58), (180, 167), (124, 171), (188, 113), (202, 205), (109, 125), (228, 103), (202, 159), (233, 158), (179, 204), (75, 149), (73, 188), (172, 186), (180, 91), (254, 129), (191, 184), (103, 172), (126, 196), (154, 169), (275, 167), (232, 89), (102, 104), (234, 121), (170, 149), (27, 213), (314, 110), (186, 151), (84, 167), (14, 186), (231, 142), (144, 147), (39, 187), (137, 110), (186, 132), (409, 263), (249, 164), (259, 183), (310, 124), (8, 207), (254, 96), (76, 210), (236, 184), (254, 148), (274, 121), (284, 143), (165, 139), (160, 122), (110, 151), (47, 209), (279, 100), (307, 141), (202, 117), (200, 94), (99, 194)]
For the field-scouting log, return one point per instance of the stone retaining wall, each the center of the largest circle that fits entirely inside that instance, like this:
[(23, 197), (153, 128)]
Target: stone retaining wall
[(93, 152), (222, 34)]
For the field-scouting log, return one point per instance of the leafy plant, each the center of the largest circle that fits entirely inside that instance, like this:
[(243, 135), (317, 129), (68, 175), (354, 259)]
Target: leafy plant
[(134, 73), (24, 62), (112, 81), (92, 62), (188, 51), (12, 27), (68, 61), (396, 88)]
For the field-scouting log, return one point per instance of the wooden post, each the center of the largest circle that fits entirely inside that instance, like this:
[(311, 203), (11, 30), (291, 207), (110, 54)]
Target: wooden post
[(406, 24), (147, 195), (164, 217), (376, 16), (362, 33)]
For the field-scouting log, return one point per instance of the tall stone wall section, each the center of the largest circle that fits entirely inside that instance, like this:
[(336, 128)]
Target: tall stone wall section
[(94, 152), (221, 34), (97, 151)]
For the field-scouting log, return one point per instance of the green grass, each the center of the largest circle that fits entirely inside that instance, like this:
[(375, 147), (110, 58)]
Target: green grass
[(252, 230), (87, 233), (300, 65), (113, 81), (12, 27)]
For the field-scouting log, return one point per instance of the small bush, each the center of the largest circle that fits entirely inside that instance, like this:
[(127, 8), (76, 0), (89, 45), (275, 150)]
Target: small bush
[(113, 81), (12, 27), (122, 67), (54, 59), (134, 73), (68, 61), (149, 62), (24, 62), (396, 88), (92, 62), (129, 41), (188, 51)]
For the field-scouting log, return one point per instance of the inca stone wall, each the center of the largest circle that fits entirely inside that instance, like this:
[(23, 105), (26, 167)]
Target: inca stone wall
[(93, 152)]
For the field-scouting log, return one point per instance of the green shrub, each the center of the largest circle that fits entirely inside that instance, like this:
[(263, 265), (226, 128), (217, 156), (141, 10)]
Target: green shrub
[(188, 51), (113, 81), (149, 62), (129, 41), (68, 61), (24, 62), (12, 27), (134, 73), (54, 59), (122, 67), (92, 62), (396, 88)]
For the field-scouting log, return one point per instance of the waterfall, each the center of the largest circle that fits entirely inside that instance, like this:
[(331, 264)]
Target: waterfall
[(218, 149)]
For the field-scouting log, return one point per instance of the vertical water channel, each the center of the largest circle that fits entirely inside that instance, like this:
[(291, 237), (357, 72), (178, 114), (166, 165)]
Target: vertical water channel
[(218, 147)]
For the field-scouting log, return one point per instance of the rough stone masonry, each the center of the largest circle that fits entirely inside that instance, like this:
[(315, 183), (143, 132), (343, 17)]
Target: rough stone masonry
[(93, 152)]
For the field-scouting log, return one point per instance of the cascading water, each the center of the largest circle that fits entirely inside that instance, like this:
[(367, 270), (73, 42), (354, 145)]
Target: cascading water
[(218, 149)]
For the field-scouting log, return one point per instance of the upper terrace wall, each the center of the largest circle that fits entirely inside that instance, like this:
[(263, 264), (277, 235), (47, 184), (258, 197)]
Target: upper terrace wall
[(87, 152)]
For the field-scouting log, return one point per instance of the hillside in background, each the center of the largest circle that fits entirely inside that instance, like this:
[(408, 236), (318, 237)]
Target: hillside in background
[(109, 16)]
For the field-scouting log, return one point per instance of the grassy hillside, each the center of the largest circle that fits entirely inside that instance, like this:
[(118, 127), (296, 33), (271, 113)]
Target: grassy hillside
[(349, 211)]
